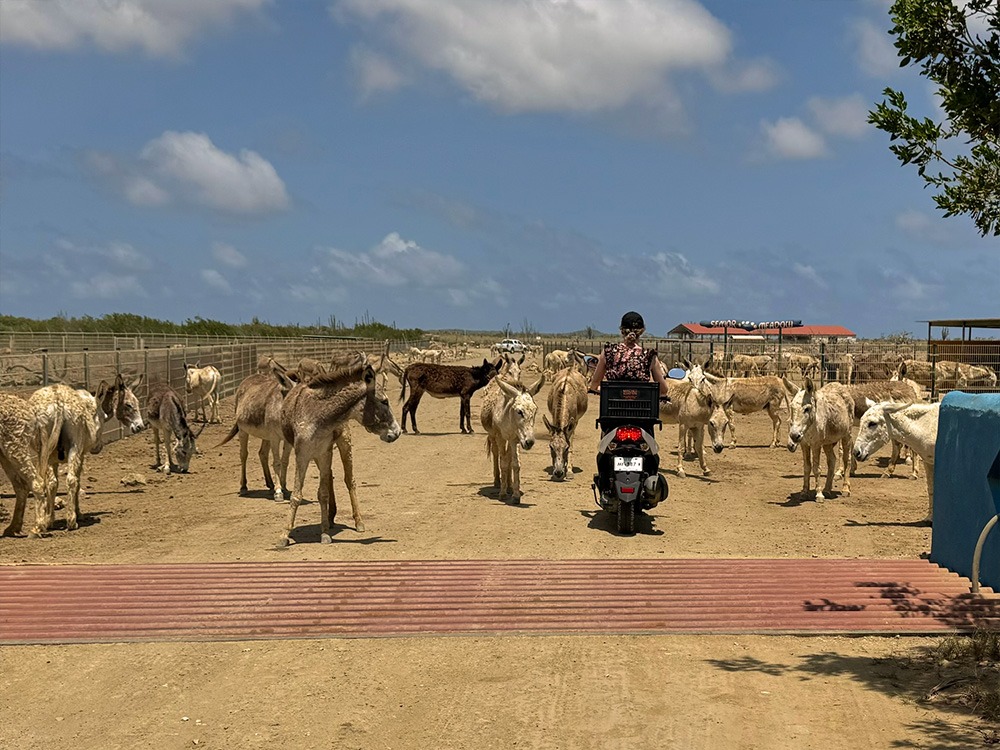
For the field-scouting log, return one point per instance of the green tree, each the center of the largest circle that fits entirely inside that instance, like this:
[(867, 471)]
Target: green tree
[(957, 46)]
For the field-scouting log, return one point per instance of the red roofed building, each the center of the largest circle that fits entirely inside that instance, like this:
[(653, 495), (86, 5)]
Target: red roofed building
[(797, 333)]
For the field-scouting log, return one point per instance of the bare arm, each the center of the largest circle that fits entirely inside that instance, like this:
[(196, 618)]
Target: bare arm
[(598, 376), (657, 372)]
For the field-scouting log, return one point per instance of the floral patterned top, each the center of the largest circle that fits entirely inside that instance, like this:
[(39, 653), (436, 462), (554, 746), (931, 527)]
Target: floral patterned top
[(622, 362)]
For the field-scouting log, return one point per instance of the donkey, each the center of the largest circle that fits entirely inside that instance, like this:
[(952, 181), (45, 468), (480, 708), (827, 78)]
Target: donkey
[(567, 403), (749, 396), (314, 413), (913, 425), (18, 451), (508, 416), (166, 415), (67, 425), (258, 414), (822, 419), (203, 384), (443, 381)]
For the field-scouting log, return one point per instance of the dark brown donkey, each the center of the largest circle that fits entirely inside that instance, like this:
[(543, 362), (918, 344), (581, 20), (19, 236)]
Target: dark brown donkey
[(443, 381)]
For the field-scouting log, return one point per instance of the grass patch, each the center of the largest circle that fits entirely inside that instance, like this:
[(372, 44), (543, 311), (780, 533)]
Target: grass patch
[(968, 667)]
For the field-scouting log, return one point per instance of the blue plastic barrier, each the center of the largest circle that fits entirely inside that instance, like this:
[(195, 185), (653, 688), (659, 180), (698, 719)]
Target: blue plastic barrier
[(967, 484)]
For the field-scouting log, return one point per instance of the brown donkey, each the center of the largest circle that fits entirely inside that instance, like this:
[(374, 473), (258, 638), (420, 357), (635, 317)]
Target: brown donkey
[(443, 381), (315, 413)]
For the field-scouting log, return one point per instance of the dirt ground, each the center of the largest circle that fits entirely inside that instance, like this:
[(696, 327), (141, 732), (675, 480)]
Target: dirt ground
[(430, 496)]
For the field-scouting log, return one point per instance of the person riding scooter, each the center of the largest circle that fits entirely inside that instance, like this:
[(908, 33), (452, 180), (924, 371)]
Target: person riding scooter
[(626, 361)]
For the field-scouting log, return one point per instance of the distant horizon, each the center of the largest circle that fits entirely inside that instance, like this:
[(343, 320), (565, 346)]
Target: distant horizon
[(577, 333)]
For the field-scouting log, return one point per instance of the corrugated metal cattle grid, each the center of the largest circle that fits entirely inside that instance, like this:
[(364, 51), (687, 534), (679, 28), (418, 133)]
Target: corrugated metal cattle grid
[(227, 601)]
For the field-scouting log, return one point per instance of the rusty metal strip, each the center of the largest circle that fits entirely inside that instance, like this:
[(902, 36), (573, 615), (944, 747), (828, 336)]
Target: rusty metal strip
[(225, 601)]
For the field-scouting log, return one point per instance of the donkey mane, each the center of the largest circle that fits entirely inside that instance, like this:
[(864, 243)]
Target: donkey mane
[(339, 377)]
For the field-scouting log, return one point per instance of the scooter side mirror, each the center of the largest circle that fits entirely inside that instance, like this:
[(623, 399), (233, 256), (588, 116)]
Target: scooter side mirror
[(677, 373)]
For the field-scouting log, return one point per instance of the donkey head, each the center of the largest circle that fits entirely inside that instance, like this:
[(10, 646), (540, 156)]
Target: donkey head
[(559, 445), (120, 402), (803, 408), (376, 415)]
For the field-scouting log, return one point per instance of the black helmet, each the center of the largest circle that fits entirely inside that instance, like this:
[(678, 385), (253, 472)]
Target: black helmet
[(632, 319)]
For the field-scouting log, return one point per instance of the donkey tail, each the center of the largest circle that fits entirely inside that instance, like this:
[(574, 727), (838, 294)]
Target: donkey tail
[(230, 436)]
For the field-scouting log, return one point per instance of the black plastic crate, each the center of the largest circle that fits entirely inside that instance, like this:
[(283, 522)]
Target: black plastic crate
[(630, 399)]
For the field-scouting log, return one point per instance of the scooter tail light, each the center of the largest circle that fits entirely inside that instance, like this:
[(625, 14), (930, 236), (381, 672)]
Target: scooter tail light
[(628, 434)]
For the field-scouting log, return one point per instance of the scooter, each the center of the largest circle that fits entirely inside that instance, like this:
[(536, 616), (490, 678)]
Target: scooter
[(628, 461)]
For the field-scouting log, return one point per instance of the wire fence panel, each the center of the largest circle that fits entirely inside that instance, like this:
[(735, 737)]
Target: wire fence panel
[(941, 366), (24, 372)]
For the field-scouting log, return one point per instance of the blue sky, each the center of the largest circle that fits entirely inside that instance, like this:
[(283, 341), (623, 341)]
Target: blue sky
[(469, 164)]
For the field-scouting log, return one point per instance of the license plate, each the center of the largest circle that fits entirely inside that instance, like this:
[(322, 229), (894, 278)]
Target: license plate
[(623, 463)]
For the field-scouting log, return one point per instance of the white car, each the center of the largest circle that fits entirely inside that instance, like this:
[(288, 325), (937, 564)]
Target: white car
[(511, 345)]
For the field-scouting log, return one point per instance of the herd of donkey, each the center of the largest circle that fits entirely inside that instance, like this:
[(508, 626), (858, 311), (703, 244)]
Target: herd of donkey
[(307, 411)]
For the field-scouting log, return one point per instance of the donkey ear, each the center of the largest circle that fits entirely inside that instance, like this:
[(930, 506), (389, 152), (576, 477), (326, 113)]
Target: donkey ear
[(547, 423), (869, 403), (119, 381), (534, 389), (137, 381), (102, 390)]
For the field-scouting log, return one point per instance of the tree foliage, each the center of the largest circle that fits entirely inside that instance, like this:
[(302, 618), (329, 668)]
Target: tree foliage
[(960, 156), (129, 323)]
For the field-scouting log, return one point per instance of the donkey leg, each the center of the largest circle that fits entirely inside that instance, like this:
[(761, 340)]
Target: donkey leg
[(681, 439), (344, 446), (846, 444), (74, 469), (831, 470), (515, 471), (301, 464), (929, 472), (21, 491), (281, 467), (775, 427), (806, 468), (327, 500), (263, 453), (699, 447), (732, 428), (244, 452)]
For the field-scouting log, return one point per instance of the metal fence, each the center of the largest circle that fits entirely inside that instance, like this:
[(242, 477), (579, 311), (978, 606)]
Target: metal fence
[(939, 366), (83, 368)]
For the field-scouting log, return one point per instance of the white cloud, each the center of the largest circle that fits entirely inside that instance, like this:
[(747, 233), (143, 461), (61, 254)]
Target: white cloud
[(160, 28), (917, 225), (117, 256), (753, 75), (907, 289), (565, 56), (193, 169), (790, 138), (216, 280), (810, 274), (374, 72), (397, 262), (143, 192), (847, 116), (228, 255), (107, 286), (675, 274), (876, 54)]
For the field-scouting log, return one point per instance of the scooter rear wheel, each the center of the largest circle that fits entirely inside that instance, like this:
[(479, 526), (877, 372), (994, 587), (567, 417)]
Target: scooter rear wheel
[(626, 518)]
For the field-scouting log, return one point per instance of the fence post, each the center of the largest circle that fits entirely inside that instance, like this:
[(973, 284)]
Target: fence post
[(86, 368), (933, 371), (45, 367), (822, 363)]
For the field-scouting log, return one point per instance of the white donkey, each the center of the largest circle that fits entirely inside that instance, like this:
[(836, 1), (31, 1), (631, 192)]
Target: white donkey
[(508, 416), (821, 420), (913, 425)]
